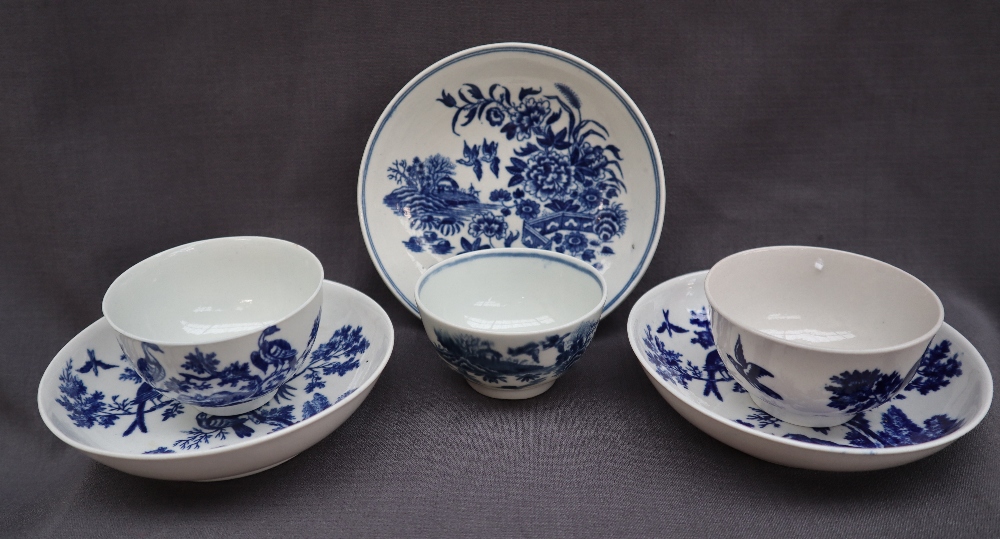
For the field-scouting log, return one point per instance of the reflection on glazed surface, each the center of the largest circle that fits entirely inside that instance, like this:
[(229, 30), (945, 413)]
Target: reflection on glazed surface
[(510, 293), (814, 336)]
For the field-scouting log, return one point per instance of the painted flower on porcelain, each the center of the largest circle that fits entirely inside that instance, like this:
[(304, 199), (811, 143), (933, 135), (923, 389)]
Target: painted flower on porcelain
[(549, 174), (527, 209), (575, 242), (489, 225), (495, 116), (526, 118), (591, 198), (562, 188)]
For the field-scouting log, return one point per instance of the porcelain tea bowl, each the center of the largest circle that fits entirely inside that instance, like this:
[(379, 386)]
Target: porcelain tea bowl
[(218, 324), (817, 336), (511, 321)]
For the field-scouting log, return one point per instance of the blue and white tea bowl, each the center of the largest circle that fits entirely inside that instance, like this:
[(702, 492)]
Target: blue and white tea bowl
[(817, 336), (672, 335), (219, 324), (92, 398), (511, 321)]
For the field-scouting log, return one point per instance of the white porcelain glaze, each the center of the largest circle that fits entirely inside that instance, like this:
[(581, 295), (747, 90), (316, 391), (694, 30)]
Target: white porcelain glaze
[(818, 335), (211, 290), (512, 320), (670, 333), (248, 300), (137, 431), (509, 294), (498, 188)]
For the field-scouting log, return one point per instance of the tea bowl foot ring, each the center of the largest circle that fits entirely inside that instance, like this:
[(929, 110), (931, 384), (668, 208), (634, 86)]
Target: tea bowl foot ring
[(512, 394), (241, 408)]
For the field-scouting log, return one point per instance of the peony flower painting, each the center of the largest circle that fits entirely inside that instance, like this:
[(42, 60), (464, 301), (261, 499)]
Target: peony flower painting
[(559, 187)]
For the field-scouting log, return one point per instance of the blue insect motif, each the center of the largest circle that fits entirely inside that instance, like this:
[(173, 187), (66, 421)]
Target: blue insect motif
[(94, 364), (340, 355), (477, 358), (933, 372), (87, 409), (668, 326), (562, 186), (670, 365)]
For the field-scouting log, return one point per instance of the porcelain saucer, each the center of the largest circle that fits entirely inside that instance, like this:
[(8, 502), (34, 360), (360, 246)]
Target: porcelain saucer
[(511, 145), (670, 332), (91, 399)]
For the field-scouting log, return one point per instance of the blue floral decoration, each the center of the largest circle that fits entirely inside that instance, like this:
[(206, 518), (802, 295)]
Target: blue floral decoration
[(563, 179), (854, 391), (897, 429), (851, 389), (670, 365), (935, 370), (88, 409)]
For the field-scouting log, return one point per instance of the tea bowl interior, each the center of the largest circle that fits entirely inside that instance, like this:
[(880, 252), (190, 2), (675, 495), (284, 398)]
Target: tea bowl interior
[(823, 298), (510, 291), (213, 289)]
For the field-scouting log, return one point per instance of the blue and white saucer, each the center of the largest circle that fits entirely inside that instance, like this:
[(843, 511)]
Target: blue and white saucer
[(670, 332), (511, 145), (91, 399)]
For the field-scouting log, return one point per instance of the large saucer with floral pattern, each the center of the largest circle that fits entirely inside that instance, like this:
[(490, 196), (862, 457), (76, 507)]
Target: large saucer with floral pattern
[(91, 399), (669, 329), (511, 145)]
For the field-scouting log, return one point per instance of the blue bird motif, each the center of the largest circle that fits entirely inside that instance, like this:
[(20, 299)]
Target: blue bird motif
[(87, 407), (94, 364), (148, 366), (562, 181), (715, 371), (145, 394), (669, 327), (275, 352), (214, 423), (751, 372)]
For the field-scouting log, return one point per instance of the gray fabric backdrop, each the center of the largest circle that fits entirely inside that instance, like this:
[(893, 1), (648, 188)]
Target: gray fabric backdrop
[(128, 129)]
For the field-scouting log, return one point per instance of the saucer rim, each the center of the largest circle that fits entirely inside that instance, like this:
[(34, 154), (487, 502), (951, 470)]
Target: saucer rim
[(643, 124), (982, 368), (361, 392)]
